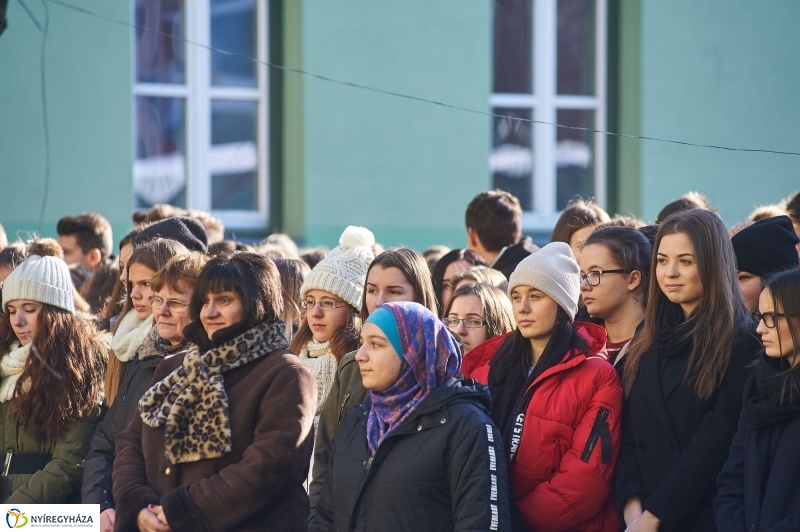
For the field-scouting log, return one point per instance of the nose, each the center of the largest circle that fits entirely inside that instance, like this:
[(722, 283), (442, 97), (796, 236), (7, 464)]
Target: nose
[(360, 355), (380, 299), (18, 320), (316, 311), (210, 311), (672, 270), (761, 328), (585, 286), (164, 310), (461, 328), (523, 307)]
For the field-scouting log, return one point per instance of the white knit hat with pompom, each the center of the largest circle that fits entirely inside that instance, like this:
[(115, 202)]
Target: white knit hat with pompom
[(343, 271)]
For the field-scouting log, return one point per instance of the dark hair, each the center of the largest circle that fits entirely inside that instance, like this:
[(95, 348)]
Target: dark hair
[(13, 255), (482, 274), (227, 246), (91, 230), (496, 217), (438, 272), (689, 201), (784, 287), (717, 319), (100, 286), (70, 348), (414, 269), (577, 215), (623, 221), (253, 277), (510, 375), (3, 237), (630, 250), (313, 256), (496, 307), (793, 207)]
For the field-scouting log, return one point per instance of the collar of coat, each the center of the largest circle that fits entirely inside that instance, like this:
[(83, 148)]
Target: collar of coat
[(195, 392)]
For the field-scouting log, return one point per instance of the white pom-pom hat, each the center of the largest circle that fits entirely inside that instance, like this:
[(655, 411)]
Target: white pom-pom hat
[(343, 271)]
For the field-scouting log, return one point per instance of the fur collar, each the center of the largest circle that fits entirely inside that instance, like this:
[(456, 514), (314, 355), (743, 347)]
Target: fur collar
[(130, 334), (11, 366), (195, 391)]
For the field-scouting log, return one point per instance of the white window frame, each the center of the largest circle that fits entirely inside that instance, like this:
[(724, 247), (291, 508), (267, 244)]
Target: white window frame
[(198, 94), (544, 104)]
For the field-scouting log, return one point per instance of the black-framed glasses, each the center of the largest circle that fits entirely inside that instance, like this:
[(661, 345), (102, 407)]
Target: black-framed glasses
[(172, 304), (769, 318), (593, 277), (469, 323), (324, 304)]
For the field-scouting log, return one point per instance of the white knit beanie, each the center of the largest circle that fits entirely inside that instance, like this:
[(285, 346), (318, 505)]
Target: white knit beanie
[(553, 270), (343, 271), (42, 279)]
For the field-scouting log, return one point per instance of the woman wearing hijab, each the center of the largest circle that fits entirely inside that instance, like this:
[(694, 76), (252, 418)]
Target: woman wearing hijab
[(423, 454)]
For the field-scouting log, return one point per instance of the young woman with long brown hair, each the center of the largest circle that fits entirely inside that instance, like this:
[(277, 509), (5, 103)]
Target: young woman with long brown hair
[(52, 384), (683, 378)]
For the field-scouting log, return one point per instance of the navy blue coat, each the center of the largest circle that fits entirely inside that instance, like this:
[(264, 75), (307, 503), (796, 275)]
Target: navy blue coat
[(759, 486)]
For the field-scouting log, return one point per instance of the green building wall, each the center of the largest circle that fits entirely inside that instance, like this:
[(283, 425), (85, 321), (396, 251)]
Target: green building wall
[(719, 72), (402, 168), (88, 88)]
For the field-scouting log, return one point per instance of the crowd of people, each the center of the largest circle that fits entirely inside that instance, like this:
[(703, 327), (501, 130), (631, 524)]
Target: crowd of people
[(624, 376)]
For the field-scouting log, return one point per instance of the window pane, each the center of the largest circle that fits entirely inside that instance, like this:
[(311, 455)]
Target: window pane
[(574, 157), (233, 159), (158, 172), (576, 46), (511, 160), (233, 28), (513, 31), (159, 41)]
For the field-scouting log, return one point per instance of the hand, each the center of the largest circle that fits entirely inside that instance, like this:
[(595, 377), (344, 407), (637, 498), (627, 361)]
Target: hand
[(107, 520), (148, 521), (162, 517), (646, 523), (632, 511)]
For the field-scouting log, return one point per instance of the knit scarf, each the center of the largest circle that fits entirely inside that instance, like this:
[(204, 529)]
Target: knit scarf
[(319, 359), (763, 406), (191, 402), (673, 334), (130, 334), (430, 357), (155, 346), (11, 366)]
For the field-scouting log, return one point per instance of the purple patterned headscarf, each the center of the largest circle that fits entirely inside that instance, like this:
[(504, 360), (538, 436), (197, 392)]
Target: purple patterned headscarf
[(430, 357)]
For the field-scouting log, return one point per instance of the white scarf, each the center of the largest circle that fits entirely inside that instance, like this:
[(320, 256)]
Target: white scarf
[(11, 366), (319, 359), (130, 334)]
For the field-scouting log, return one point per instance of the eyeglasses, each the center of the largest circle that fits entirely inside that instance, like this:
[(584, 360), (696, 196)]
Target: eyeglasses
[(324, 304), (469, 323), (172, 304), (593, 277), (768, 318)]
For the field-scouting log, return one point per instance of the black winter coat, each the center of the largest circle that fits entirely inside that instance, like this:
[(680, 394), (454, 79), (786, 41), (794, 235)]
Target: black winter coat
[(443, 469), (759, 487), (674, 444), (136, 378)]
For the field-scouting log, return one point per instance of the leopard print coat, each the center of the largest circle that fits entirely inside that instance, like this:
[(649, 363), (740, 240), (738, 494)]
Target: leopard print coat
[(191, 402)]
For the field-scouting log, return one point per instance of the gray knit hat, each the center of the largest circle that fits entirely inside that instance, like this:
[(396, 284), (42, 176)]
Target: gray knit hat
[(42, 279), (343, 271), (553, 270)]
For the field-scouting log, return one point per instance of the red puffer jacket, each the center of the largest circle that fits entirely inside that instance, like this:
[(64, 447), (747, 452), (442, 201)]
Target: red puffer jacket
[(564, 467)]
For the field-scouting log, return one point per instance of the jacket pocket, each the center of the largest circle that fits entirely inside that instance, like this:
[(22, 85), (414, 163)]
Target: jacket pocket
[(600, 431)]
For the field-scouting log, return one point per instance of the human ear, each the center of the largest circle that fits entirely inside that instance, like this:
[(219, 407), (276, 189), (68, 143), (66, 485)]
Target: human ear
[(634, 280), (94, 257)]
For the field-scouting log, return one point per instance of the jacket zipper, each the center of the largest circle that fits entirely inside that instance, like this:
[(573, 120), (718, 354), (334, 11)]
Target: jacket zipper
[(341, 409), (600, 431)]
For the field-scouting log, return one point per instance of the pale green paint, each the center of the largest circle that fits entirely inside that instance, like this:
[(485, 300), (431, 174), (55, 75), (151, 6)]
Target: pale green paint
[(629, 87), (293, 112), (403, 168), (719, 72), (88, 84)]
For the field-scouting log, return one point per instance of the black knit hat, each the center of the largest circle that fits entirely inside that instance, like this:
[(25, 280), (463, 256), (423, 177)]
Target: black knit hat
[(766, 247), (187, 231)]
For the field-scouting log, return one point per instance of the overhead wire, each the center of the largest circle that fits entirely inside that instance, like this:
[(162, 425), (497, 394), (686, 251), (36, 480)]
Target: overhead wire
[(418, 98)]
